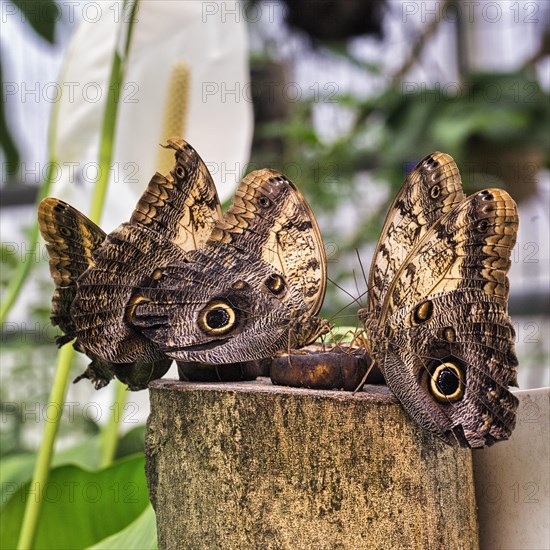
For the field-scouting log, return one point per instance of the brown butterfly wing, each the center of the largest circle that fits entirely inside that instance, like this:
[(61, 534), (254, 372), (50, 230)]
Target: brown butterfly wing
[(269, 218), (432, 189), (102, 306), (182, 206), (71, 239), (447, 347), (216, 310), (264, 262), (175, 213)]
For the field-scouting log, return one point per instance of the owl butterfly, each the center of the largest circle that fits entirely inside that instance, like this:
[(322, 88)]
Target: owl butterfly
[(95, 274), (436, 322), (253, 290)]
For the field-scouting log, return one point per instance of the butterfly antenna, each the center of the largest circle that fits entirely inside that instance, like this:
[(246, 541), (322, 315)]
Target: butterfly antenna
[(357, 287), (353, 299), (323, 341), (358, 336), (362, 268), (339, 287), (351, 346), (361, 339), (369, 288), (364, 379)]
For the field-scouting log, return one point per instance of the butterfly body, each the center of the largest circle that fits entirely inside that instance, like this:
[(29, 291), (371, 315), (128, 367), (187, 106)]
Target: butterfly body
[(437, 321)]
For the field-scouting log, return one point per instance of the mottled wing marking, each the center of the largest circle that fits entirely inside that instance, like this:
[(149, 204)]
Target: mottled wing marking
[(128, 257), (483, 343), (183, 206), (172, 304), (71, 239), (431, 190), (456, 254), (447, 303), (265, 260), (269, 218), (174, 215)]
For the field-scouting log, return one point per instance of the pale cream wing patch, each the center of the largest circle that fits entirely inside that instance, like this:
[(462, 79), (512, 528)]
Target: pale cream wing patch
[(469, 247), (270, 219), (432, 189), (182, 206)]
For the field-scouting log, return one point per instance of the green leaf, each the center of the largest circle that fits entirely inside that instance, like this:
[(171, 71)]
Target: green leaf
[(41, 16), (80, 507), (141, 534), (342, 334), (18, 468), (131, 442), (85, 454), (14, 471)]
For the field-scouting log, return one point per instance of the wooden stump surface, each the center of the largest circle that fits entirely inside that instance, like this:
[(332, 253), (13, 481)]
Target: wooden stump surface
[(253, 465)]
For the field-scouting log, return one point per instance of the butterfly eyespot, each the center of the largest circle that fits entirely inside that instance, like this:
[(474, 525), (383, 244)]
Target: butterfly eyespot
[(275, 284), (217, 317), (264, 202), (157, 274), (435, 191), (482, 226), (180, 172), (238, 285), (446, 383), (423, 312), (487, 196), (65, 231), (132, 304), (449, 334)]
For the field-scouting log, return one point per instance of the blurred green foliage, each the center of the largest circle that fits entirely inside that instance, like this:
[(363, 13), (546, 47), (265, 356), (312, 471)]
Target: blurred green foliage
[(94, 504)]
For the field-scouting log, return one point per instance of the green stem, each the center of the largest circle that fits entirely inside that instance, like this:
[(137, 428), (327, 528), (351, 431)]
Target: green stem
[(43, 460), (106, 144), (59, 389), (109, 435)]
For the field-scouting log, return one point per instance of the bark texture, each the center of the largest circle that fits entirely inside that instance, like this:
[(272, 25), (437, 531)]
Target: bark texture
[(252, 465)]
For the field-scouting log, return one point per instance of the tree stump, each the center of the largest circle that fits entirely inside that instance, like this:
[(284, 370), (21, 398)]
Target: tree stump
[(253, 465)]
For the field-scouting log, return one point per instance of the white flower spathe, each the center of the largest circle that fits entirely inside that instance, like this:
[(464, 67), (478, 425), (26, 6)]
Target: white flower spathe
[(218, 115)]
